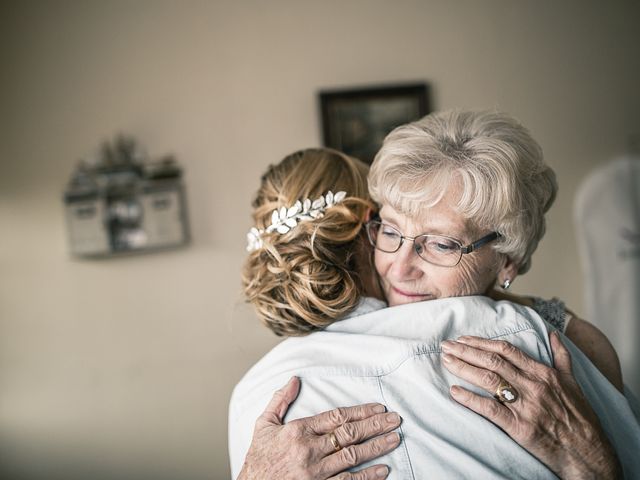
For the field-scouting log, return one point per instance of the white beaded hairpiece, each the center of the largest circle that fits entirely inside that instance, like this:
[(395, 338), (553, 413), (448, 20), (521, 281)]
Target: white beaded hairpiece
[(284, 219)]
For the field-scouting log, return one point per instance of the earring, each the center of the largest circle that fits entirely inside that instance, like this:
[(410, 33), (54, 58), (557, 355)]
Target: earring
[(506, 284)]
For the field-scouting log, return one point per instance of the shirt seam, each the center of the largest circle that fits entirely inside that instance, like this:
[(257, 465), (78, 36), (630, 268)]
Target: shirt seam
[(430, 351), (402, 436)]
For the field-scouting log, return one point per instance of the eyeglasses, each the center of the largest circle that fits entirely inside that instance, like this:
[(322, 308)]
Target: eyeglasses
[(436, 249)]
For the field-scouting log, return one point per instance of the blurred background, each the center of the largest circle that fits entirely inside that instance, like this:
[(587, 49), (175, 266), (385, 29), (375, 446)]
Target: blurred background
[(123, 367)]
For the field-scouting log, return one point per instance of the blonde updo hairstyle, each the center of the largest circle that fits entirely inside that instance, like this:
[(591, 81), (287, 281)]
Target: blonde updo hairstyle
[(306, 279), (506, 185)]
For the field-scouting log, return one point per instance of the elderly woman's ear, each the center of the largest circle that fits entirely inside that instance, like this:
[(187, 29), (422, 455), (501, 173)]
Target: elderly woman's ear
[(369, 215), (507, 273)]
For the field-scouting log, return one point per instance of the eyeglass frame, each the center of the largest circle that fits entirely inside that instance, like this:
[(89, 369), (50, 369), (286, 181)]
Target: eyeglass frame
[(473, 246)]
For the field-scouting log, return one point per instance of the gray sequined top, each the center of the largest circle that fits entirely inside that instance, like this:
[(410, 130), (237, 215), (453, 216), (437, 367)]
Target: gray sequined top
[(552, 311)]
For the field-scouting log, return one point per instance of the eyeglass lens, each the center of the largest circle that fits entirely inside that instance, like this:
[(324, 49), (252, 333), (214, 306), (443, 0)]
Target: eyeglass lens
[(435, 249)]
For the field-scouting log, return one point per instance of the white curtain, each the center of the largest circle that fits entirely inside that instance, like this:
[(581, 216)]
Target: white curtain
[(607, 216)]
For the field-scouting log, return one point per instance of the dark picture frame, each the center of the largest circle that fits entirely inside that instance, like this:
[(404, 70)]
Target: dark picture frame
[(355, 121)]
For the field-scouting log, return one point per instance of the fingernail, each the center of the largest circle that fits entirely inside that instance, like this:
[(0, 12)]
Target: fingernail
[(393, 419), (288, 383), (455, 391), (382, 471), (392, 438), (379, 409), (464, 339), (446, 346), (447, 358)]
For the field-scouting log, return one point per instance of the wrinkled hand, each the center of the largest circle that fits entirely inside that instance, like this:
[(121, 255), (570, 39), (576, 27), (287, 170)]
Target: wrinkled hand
[(551, 418), (303, 449)]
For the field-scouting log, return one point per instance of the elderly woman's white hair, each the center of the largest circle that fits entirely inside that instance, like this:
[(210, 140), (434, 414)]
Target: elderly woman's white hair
[(505, 184)]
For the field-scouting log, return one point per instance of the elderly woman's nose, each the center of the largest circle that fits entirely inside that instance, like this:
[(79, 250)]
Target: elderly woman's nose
[(405, 259)]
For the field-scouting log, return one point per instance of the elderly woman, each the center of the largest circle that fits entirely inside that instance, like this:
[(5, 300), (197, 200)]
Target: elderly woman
[(455, 248), (451, 183)]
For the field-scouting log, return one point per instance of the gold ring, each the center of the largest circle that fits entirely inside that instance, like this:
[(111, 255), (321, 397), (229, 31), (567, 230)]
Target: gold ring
[(335, 442), (506, 393)]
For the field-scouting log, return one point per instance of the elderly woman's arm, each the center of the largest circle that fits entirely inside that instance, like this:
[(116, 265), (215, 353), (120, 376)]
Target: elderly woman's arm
[(596, 346), (550, 418), (306, 448)]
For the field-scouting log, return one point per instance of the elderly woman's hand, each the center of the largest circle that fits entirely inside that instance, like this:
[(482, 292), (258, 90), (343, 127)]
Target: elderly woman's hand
[(321, 446), (549, 415)]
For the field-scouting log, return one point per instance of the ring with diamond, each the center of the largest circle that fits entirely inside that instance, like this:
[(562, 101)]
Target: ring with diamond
[(506, 393)]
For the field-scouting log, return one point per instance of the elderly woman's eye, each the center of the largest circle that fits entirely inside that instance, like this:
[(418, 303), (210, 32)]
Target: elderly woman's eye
[(442, 245), (389, 232)]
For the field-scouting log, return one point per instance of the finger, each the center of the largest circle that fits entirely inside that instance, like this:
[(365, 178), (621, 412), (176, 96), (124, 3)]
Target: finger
[(487, 407), (480, 377), (516, 356), (490, 361), (326, 422), (354, 455), (280, 402), (375, 472), (356, 432), (561, 356)]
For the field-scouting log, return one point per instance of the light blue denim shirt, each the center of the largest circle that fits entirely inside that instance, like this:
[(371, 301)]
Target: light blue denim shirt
[(393, 356)]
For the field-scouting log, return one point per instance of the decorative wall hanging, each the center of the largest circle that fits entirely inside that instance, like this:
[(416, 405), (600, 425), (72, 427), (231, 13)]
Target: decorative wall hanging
[(124, 202), (356, 121)]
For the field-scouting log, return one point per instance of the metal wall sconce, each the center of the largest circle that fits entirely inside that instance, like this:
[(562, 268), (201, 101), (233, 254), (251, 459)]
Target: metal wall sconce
[(125, 203)]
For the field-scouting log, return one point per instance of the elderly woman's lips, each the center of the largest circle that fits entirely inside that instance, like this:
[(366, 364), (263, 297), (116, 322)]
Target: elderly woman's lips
[(409, 294)]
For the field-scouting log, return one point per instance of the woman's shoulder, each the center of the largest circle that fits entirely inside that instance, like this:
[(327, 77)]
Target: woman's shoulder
[(364, 306), (551, 311)]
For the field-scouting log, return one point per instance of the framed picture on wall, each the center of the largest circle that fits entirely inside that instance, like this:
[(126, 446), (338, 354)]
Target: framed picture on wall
[(356, 121)]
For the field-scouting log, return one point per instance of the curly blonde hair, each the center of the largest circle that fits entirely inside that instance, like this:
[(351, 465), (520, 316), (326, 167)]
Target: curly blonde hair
[(306, 279)]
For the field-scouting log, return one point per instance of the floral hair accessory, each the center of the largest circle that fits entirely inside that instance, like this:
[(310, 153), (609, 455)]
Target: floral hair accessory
[(284, 219)]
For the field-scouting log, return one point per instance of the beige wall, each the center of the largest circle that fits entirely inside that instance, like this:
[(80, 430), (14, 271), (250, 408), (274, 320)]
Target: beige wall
[(126, 365)]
